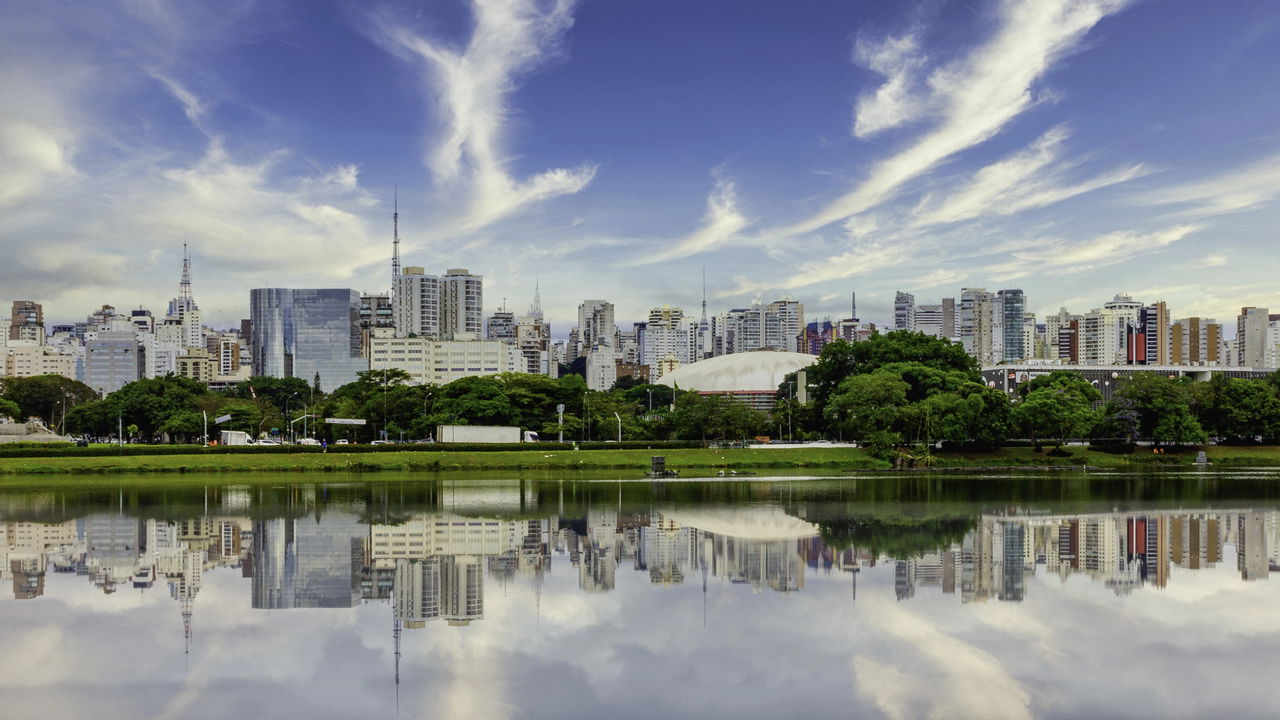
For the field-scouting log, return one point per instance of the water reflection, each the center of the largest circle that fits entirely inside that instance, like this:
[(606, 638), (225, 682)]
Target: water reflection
[(850, 586), (434, 565)]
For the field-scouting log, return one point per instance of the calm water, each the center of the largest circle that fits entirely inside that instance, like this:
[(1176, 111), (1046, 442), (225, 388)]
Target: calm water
[(1060, 596)]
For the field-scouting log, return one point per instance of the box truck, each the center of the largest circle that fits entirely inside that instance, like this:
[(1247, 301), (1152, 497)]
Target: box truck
[(483, 434), (234, 437)]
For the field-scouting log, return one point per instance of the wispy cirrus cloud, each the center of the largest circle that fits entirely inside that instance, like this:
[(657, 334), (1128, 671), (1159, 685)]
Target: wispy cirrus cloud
[(1237, 190), (720, 225), (470, 90), (1032, 178), (1062, 256), (972, 98)]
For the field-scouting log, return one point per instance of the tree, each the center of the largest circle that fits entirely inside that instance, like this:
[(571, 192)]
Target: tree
[(1237, 410), (43, 396), (1142, 400), (149, 402), (1178, 427), (280, 393), (867, 404), (1058, 405), (10, 409), (1054, 412)]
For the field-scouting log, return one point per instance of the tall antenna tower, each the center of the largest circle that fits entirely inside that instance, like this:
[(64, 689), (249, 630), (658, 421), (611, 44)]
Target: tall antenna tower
[(395, 241), (704, 296), (184, 285)]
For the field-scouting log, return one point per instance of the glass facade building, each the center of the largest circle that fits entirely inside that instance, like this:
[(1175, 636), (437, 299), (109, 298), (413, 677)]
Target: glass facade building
[(299, 333)]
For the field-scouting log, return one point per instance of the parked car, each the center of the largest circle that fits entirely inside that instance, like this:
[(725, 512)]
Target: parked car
[(308, 441), (342, 441)]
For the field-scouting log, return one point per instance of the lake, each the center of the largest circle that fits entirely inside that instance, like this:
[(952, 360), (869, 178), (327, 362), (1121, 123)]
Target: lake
[(1049, 595)]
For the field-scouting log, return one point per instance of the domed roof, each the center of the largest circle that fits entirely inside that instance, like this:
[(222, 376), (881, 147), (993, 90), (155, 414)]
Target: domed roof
[(758, 371)]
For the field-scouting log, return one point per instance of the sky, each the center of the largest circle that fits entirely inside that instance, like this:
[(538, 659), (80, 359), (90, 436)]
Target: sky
[(615, 149)]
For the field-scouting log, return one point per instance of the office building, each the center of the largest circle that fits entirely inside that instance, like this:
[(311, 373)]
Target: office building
[(303, 333), (1251, 337), (440, 362), (113, 360)]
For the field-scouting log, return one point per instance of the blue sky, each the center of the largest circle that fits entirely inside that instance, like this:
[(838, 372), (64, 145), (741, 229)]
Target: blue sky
[(613, 149)]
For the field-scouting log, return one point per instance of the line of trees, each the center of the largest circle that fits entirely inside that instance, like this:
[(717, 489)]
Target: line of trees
[(895, 390), (902, 388)]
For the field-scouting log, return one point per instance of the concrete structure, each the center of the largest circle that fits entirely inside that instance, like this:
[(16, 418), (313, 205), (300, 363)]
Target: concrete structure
[(307, 332), (1195, 341), (596, 327), (1106, 378), (976, 329), (27, 360)]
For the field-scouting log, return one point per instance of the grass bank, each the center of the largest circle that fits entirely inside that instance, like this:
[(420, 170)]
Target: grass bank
[(693, 460), (680, 459)]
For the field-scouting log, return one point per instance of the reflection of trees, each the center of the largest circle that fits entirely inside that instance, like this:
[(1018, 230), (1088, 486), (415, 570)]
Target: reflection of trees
[(896, 537)]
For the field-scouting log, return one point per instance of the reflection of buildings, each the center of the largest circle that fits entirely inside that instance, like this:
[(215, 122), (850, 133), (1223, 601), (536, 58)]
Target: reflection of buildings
[(1123, 551), (307, 562), (436, 563)]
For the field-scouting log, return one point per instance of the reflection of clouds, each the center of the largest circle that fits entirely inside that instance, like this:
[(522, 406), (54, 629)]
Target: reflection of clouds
[(966, 682)]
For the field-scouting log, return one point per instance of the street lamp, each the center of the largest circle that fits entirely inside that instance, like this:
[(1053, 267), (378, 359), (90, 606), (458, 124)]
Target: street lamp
[(586, 416), (615, 414), (286, 414), (650, 391)]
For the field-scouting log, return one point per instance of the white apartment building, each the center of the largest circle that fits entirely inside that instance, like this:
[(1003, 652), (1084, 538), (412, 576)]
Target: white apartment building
[(416, 303), (442, 361)]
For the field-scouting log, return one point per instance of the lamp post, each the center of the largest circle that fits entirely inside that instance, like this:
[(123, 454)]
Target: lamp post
[(286, 414), (586, 416), (615, 414), (790, 430)]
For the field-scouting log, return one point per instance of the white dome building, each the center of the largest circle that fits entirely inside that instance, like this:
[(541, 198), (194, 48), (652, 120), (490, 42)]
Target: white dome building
[(752, 376)]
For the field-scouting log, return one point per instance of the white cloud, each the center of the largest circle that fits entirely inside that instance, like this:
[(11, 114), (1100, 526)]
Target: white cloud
[(1237, 190), (1069, 257), (471, 90), (720, 225), (1029, 179), (899, 100), (978, 96)]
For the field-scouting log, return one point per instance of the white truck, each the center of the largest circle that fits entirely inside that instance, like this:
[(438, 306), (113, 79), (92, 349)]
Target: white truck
[(234, 437), (483, 434)]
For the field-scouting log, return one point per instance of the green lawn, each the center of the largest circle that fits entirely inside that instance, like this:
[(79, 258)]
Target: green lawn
[(831, 458), (638, 460)]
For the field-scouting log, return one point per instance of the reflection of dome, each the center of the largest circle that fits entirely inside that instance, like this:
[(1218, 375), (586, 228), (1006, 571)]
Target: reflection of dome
[(750, 372), (746, 523)]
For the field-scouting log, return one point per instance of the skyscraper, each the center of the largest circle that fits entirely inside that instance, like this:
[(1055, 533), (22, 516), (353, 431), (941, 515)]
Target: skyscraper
[(305, 332), (1013, 306)]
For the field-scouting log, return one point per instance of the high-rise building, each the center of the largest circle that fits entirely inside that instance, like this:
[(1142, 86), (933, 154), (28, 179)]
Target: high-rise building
[(461, 305), (26, 321), (904, 311), (304, 332), (416, 303), (1013, 307), (937, 320), (1251, 337), (1148, 341), (596, 326), (501, 326), (976, 324)]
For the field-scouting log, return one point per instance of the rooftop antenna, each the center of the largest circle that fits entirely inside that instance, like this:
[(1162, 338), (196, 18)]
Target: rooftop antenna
[(395, 237), (184, 285), (853, 305), (704, 295)]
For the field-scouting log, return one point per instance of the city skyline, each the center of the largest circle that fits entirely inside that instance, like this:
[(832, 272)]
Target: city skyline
[(889, 148)]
